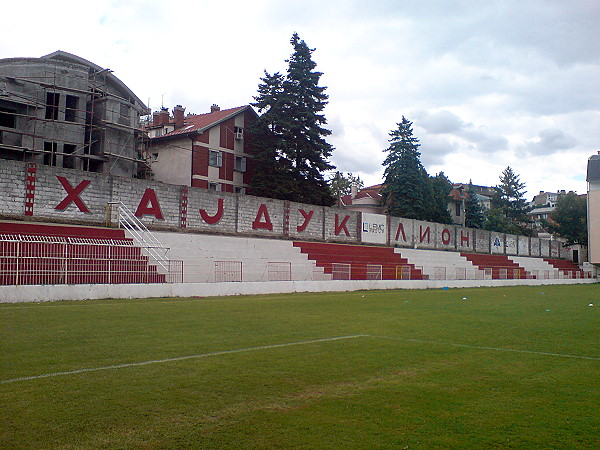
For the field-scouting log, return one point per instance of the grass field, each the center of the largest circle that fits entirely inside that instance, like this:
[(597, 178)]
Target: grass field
[(514, 367)]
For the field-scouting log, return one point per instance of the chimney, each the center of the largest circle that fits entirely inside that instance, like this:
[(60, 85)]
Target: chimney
[(215, 108), (178, 115), (353, 190), (160, 117), (156, 118)]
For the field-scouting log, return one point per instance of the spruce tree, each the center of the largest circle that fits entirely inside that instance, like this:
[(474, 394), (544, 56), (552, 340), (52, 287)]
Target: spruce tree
[(440, 188), (293, 133), (473, 209), (510, 211), (405, 183)]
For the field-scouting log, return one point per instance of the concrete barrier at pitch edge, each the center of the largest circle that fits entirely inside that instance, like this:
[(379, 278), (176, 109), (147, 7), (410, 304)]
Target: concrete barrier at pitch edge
[(36, 293)]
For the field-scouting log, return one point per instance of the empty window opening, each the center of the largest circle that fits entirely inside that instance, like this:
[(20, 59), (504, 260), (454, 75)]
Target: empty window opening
[(68, 158), (50, 153), (52, 99), (124, 114), (212, 186), (71, 108), (7, 118)]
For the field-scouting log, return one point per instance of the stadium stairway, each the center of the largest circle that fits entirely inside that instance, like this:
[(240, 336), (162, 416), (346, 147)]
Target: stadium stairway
[(566, 268), (32, 253), (441, 265), (500, 266), (362, 261), (210, 258)]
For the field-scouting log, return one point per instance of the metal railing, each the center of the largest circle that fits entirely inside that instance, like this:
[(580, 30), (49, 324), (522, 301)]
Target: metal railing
[(141, 235), (30, 259)]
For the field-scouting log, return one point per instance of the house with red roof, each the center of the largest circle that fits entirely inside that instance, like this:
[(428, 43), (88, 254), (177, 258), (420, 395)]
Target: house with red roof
[(366, 200), (209, 151), (370, 200)]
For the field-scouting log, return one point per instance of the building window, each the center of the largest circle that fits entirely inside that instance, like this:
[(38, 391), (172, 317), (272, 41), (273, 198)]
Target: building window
[(239, 164), (457, 206), (68, 161), (52, 99), (215, 158), (239, 132), (213, 186), (50, 153), (239, 190), (7, 118), (124, 114), (71, 108)]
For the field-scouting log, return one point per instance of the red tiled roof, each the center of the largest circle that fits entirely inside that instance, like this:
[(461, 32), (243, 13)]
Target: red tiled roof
[(200, 122), (371, 191)]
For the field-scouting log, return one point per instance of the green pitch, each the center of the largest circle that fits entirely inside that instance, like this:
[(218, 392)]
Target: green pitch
[(460, 368)]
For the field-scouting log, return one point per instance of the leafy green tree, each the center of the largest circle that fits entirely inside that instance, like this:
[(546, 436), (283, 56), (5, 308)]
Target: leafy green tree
[(473, 210), (405, 186), (496, 220), (440, 188), (569, 219), (290, 135), (341, 184), (509, 203)]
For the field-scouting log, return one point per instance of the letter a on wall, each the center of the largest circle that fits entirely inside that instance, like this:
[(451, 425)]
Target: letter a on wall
[(262, 213), (149, 205)]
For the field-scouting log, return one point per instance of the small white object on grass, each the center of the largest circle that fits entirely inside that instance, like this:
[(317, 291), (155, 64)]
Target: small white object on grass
[(591, 304), (464, 298)]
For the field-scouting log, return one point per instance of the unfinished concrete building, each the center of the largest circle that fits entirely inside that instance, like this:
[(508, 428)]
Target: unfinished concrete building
[(62, 110)]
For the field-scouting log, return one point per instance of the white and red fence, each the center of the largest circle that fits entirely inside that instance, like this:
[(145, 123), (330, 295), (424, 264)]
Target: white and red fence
[(36, 259)]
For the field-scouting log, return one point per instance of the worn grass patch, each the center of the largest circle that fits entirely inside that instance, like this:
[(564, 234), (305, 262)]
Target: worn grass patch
[(496, 367)]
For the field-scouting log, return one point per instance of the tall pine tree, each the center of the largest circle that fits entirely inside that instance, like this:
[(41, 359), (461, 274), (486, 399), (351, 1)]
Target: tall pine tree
[(290, 134), (405, 186), (440, 188), (510, 212), (473, 209)]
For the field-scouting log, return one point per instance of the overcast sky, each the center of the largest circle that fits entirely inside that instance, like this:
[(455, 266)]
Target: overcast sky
[(487, 84)]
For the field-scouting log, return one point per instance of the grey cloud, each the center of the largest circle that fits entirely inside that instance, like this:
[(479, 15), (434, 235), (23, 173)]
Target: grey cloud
[(434, 149), (440, 122), (550, 141)]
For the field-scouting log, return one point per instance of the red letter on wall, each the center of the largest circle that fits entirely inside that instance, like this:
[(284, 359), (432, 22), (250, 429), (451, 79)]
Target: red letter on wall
[(149, 205), (446, 237), (341, 226), (424, 234), (211, 220), (262, 213), (307, 216), (72, 195), (400, 230), (464, 238)]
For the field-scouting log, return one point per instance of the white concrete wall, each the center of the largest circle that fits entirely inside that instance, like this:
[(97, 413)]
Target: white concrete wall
[(21, 294)]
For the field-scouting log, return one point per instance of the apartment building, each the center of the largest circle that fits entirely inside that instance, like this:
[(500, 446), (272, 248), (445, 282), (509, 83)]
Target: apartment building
[(62, 110)]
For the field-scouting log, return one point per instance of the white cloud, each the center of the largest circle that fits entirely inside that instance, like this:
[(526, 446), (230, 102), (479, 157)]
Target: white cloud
[(486, 84)]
